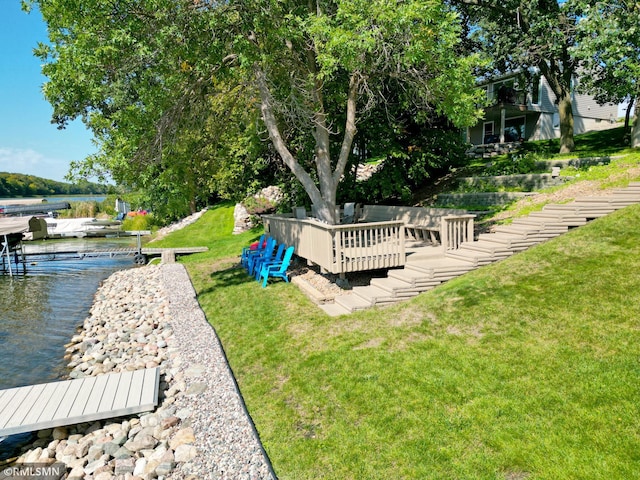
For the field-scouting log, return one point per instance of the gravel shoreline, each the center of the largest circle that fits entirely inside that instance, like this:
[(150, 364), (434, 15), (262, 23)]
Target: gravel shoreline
[(142, 318), (225, 434)]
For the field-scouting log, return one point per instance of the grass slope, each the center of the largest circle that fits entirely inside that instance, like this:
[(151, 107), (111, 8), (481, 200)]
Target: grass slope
[(524, 369)]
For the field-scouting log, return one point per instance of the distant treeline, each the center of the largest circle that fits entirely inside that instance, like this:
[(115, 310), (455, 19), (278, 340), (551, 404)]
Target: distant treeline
[(19, 185)]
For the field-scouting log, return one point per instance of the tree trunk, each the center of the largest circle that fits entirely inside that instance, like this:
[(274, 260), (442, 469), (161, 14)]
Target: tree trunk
[(559, 80), (635, 131), (278, 142), (627, 116), (565, 111), (324, 197)]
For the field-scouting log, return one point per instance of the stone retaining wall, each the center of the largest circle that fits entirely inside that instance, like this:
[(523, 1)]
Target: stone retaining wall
[(486, 199), (527, 182)]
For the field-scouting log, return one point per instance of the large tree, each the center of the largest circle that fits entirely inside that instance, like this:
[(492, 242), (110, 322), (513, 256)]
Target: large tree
[(140, 73), (321, 64), (608, 48), (528, 37)]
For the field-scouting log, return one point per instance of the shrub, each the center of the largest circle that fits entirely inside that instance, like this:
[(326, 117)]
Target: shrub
[(138, 222), (259, 205), (514, 163), (405, 170)]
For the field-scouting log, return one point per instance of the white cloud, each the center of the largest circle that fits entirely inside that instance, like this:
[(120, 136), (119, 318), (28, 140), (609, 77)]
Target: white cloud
[(31, 162)]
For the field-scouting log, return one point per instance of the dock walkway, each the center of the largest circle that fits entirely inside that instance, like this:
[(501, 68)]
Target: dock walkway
[(55, 404), (52, 252)]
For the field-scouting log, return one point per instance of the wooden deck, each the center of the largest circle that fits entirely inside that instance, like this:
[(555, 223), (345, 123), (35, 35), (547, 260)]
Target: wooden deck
[(371, 244), (427, 267), (55, 404)]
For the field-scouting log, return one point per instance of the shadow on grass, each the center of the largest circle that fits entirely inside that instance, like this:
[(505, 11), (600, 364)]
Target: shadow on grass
[(231, 276), (592, 143)]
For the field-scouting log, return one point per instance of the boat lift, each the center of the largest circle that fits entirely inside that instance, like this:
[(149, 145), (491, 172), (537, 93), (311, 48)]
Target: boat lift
[(12, 244)]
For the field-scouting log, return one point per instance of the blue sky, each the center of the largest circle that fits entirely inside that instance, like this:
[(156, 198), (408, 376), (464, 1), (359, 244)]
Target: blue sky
[(29, 143)]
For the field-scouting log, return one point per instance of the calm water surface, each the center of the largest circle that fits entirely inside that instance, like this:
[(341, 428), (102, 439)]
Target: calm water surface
[(40, 311)]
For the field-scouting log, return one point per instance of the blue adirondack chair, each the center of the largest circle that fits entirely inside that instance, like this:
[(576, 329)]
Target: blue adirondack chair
[(267, 252), (277, 269), (244, 258), (249, 253), (259, 262)]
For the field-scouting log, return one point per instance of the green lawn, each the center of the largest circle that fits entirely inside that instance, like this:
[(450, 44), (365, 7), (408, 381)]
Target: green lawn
[(525, 369)]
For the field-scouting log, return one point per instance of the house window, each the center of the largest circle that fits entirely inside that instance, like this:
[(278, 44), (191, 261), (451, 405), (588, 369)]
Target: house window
[(488, 135), (504, 91)]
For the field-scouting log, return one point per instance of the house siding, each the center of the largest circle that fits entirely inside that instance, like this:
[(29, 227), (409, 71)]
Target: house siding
[(541, 120)]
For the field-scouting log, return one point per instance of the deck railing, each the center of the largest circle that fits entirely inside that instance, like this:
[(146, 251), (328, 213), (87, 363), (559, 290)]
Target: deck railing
[(341, 249), (456, 229)]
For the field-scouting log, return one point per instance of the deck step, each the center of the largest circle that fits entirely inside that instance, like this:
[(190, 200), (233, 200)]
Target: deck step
[(629, 191), (444, 268), (546, 227), (484, 246), (513, 242), (544, 223), (617, 199), (352, 303), (375, 295), (525, 232), (532, 232), (334, 309), (417, 278), (396, 287), (588, 211), (567, 218), (476, 258), (430, 254), (609, 206)]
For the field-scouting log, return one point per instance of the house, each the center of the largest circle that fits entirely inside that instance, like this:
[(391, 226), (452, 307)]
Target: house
[(528, 112)]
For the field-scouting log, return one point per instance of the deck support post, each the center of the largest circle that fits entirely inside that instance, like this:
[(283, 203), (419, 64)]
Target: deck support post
[(5, 252)]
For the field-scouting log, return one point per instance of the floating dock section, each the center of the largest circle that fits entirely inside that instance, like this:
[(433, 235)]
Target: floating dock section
[(56, 404), (33, 208)]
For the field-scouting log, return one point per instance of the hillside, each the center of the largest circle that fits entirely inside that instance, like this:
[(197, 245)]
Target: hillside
[(524, 369), (20, 185)]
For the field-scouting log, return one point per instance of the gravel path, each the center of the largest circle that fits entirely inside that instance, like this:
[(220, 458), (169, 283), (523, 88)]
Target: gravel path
[(228, 445)]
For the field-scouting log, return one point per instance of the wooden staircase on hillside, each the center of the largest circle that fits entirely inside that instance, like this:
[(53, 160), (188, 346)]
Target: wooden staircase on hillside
[(429, 267)]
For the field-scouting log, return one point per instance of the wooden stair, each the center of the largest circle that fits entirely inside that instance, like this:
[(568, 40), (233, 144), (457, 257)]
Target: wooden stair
[(425, 271)]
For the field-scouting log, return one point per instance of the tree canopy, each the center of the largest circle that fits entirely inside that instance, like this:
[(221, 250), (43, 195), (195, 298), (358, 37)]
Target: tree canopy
[(608, 49), (175, 90), (181, 95), (531, 38)]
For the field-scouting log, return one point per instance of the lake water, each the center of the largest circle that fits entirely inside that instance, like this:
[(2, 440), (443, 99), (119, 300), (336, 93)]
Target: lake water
[(40, 311), (60, 198)]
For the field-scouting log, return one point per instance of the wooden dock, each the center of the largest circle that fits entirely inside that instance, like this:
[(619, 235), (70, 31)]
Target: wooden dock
[(52, 252), (55, 404)]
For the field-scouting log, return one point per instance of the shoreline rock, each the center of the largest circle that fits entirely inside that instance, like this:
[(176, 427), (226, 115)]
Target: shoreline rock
[(131, 325)]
